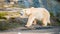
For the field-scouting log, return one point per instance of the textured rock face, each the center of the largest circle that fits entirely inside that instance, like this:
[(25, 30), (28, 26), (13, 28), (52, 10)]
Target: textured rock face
[(51, 5)]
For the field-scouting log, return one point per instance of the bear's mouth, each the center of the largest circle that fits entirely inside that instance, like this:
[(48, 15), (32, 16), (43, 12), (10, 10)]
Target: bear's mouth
[(21, 13)]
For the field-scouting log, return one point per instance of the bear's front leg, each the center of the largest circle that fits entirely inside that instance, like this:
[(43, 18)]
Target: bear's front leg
[(30, 21)]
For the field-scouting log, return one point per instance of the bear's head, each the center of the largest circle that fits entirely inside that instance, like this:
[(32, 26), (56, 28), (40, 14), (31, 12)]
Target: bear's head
[(25, 12)]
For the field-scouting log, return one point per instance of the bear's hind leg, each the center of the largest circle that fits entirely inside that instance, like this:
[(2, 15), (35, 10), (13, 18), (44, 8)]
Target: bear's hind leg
[(44, 21)]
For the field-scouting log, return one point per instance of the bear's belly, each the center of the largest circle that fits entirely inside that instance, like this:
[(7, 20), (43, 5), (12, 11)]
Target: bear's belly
[(38, 16)]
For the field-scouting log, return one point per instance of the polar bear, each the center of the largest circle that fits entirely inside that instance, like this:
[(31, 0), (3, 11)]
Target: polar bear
[(36, 14)]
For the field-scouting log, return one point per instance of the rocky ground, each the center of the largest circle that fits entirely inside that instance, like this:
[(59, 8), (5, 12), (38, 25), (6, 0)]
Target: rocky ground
[(37, 30)]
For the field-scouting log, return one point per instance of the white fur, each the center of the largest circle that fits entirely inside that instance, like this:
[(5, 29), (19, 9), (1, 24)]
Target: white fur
[(37, 13)]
